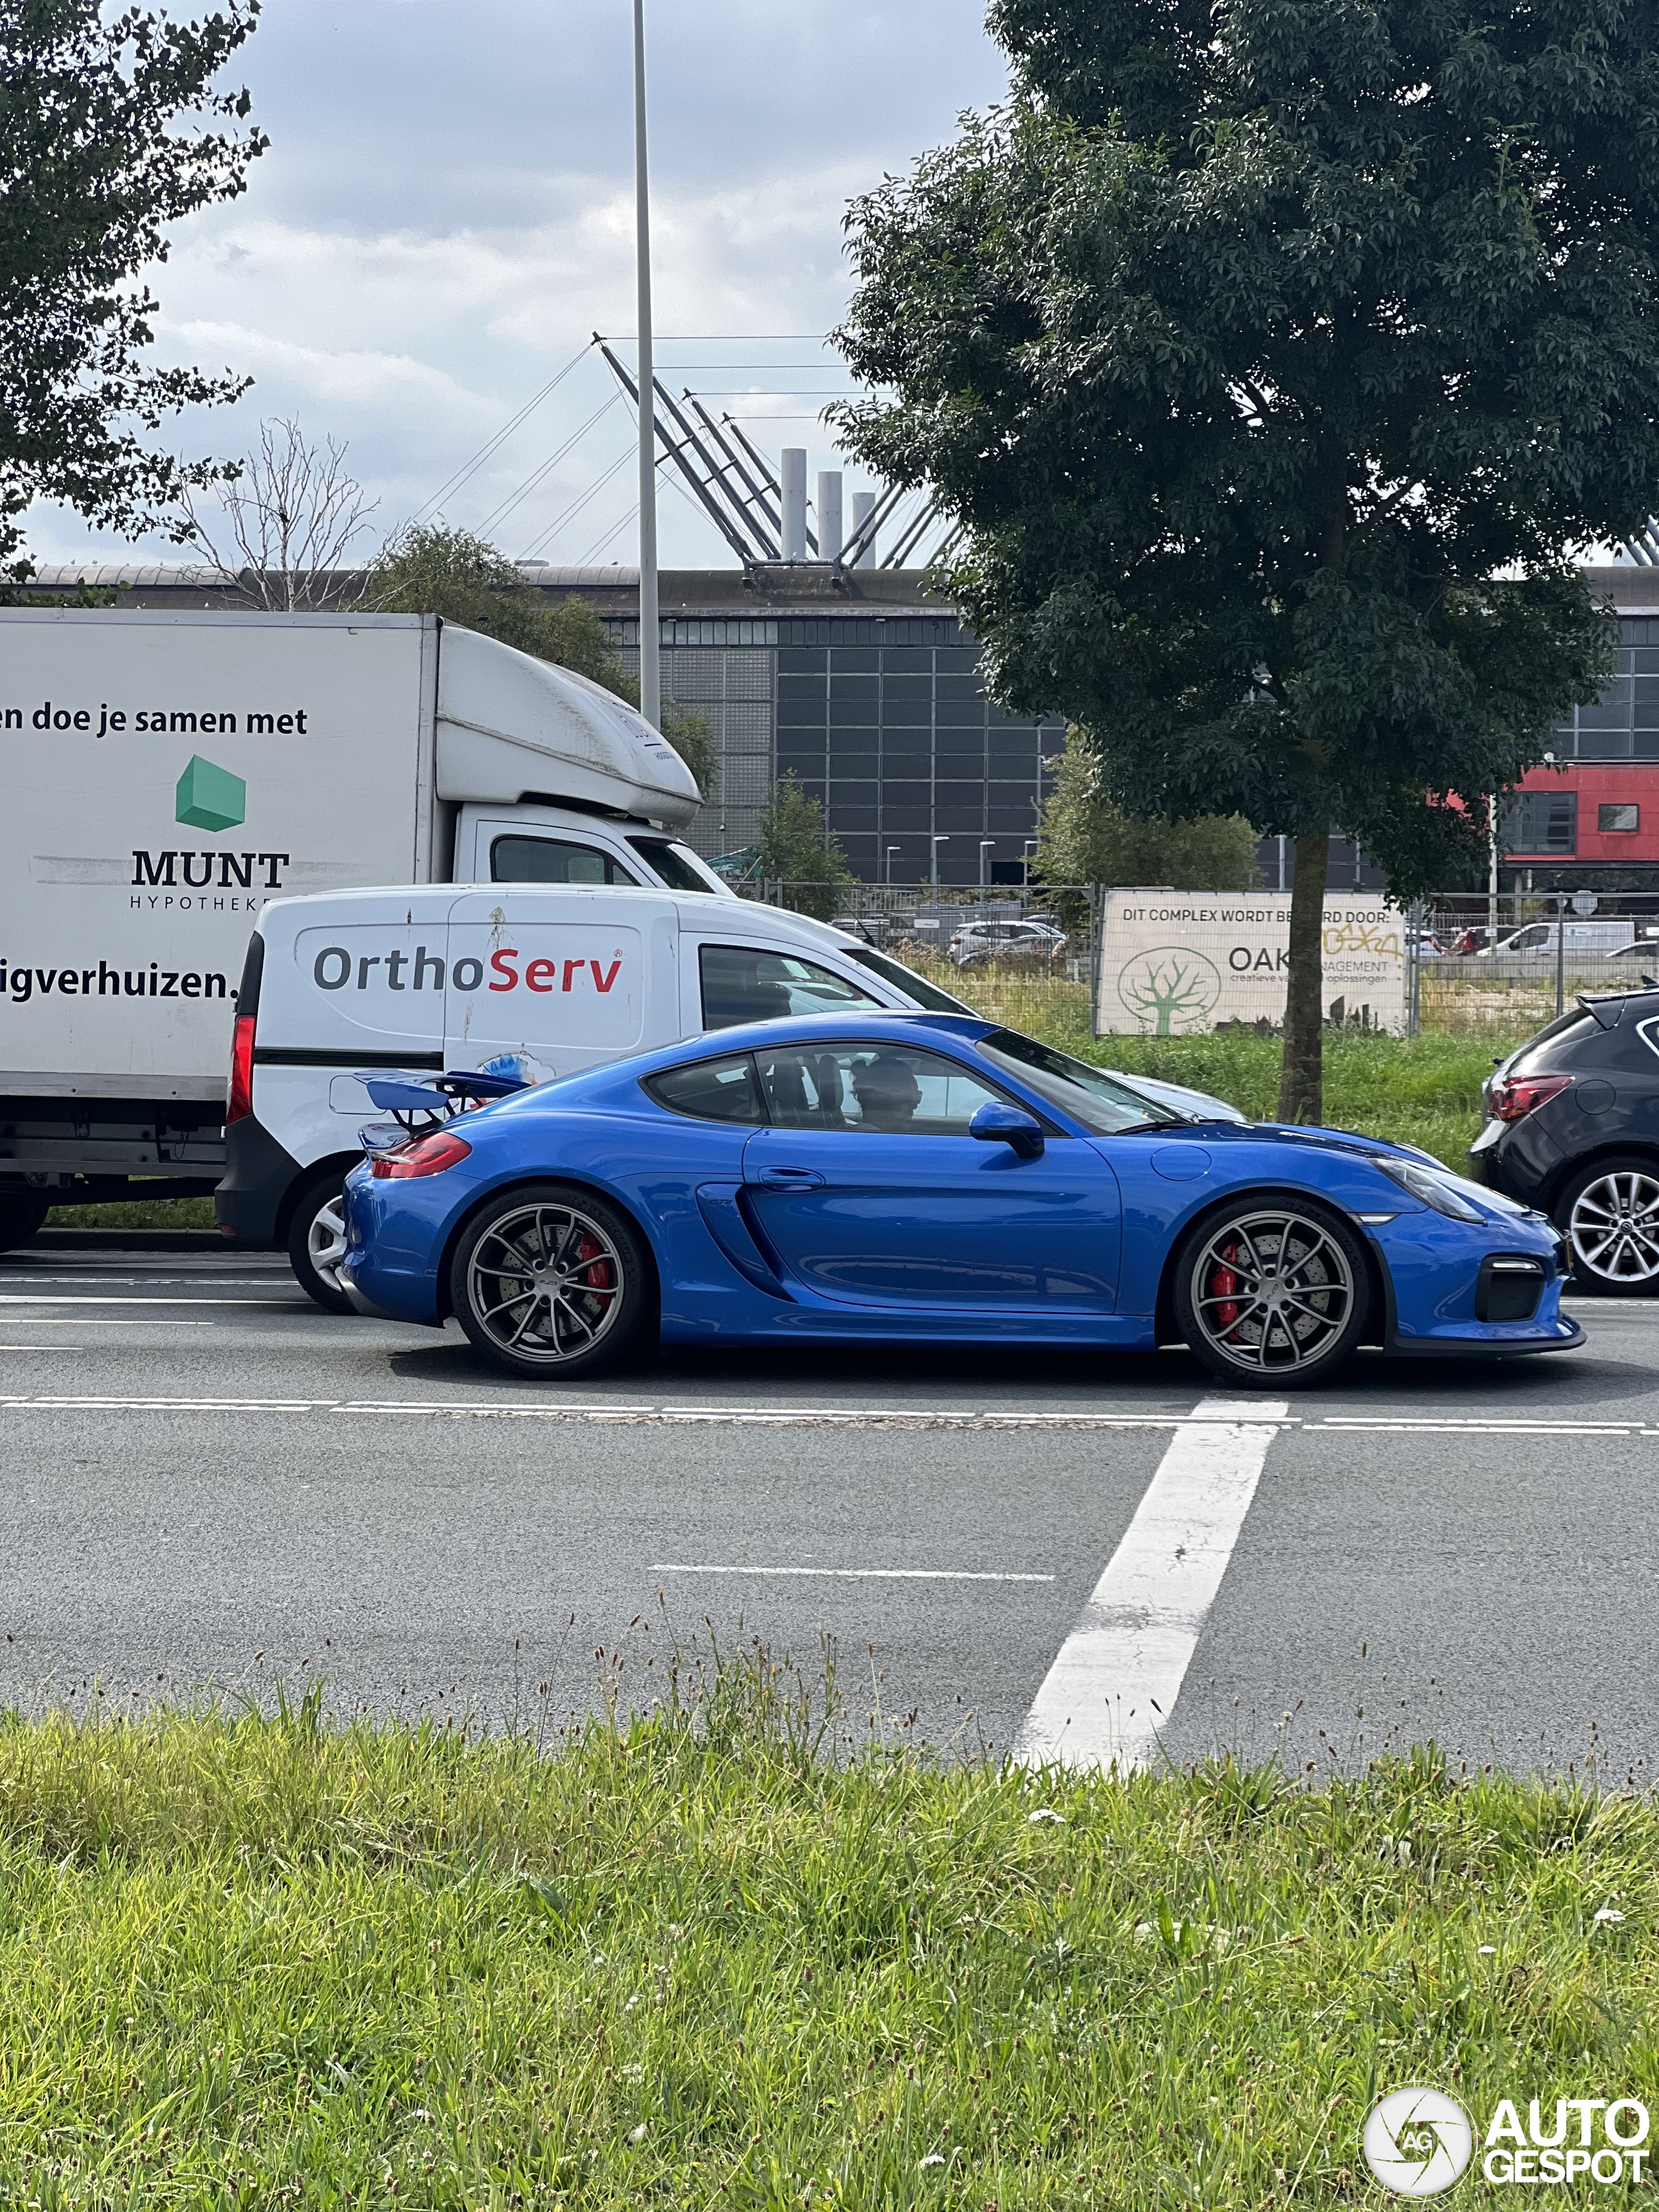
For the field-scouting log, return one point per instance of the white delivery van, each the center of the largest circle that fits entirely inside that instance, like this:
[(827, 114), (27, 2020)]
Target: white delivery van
[(545, 978), (168, 774), (1579, 940)]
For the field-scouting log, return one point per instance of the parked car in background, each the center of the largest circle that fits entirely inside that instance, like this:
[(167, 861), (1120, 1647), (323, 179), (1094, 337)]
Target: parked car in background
[(1029, 943), (1573, 1128), (1537, 941)]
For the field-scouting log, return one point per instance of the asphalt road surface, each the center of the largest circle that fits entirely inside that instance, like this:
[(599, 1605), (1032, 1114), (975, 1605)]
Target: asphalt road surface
[(211, 1485)]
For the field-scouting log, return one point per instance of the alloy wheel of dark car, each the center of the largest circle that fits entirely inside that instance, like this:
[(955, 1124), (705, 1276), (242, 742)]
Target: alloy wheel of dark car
[(550, 1281), (1273, 1294), (1609, 1214)]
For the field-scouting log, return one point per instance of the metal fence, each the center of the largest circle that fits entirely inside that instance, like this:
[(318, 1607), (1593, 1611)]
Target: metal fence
[(1030, 957), (1508, 964), (1018, 955)]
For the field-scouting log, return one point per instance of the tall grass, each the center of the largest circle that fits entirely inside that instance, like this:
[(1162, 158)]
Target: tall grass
[(248, 1961)]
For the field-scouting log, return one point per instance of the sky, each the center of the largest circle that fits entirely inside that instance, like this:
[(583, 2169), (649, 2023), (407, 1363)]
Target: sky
[(445, 215)]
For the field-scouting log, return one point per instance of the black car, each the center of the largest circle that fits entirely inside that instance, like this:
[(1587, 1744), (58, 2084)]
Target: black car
[(1572, 1128)]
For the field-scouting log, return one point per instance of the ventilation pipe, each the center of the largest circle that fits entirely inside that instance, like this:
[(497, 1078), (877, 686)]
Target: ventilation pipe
[(794, 475), (829, 534), (863, 502)]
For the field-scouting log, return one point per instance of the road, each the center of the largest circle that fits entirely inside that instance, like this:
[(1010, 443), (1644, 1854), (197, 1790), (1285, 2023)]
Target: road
[(209, 1484)]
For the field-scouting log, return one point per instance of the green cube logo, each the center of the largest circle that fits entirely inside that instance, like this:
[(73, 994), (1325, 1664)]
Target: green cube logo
[(210, 797)]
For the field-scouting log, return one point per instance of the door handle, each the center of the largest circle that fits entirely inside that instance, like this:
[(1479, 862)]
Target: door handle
[(790, 1179)]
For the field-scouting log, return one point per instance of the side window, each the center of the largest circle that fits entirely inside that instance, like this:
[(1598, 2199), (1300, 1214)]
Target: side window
[(711, 1090), (747, 983), (887, 1089), (553, 860)]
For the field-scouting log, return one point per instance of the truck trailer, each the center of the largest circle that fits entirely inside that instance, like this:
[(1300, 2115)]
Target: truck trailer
[(169, 773)]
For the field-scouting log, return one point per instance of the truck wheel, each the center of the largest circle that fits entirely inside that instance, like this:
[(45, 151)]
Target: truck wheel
[(316, 1239), (21, 1213), (550, 1281)]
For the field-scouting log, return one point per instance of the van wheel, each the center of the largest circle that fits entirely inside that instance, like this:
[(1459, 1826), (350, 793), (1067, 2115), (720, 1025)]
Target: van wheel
[(1609, 1215), (1272, 1293), (551, 1281), (23, 1213), (316, 1239)]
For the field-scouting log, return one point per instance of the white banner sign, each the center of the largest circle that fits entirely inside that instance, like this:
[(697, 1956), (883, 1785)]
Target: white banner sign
[(1174, 961)]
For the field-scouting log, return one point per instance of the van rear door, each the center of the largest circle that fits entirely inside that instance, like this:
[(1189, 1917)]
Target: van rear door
[(557, 979)]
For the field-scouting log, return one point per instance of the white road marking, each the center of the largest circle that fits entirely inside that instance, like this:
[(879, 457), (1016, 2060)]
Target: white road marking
[(853, 1574), (1473, 1426), (69, 1321), (1114, 1685), (289, 1305)]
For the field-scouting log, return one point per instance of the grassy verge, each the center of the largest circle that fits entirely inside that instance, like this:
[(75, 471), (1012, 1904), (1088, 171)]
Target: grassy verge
[(135, 1213), (259, 1962)]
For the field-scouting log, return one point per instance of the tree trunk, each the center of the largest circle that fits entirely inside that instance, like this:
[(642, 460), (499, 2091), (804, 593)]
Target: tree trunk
[(1301, 1082)]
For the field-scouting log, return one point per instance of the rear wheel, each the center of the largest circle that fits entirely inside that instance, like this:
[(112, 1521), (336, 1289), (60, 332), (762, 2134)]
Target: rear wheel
[(1272, 1293), (316, 1239), (551, 1281), (1609, 1215)]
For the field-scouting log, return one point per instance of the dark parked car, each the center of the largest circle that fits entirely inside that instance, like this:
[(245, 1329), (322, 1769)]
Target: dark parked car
[(1572, 1128)]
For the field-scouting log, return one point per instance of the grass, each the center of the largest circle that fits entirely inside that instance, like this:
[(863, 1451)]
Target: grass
[(135, 1213), (250, 1961)]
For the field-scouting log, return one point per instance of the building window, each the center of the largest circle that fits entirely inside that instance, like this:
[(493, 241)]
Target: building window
[(1541, 822), (1621, 818)]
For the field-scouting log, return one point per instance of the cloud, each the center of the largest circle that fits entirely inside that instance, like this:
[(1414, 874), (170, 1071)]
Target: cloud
[(446, 214)]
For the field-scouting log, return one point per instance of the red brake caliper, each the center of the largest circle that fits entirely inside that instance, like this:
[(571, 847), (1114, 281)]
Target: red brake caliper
[(596, 1278), (1223, 1282)]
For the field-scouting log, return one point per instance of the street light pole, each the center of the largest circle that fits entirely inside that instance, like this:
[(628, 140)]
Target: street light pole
[(985, 846), (936, 843), (891, 849), (650, 628)]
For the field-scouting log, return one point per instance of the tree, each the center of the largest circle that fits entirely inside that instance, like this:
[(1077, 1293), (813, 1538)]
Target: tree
[(1085, 837), (795, 850), (428, 569), (291, 515), (108, 132), (1277, 358)]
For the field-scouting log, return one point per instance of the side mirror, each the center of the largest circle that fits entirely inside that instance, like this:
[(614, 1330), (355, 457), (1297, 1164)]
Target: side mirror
[(996, 1124)]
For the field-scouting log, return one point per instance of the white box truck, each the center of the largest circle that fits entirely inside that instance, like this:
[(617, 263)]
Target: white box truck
[(169, 773)]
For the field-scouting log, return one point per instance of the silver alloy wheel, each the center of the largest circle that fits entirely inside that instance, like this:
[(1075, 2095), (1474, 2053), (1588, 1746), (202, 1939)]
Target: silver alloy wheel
[(1271, 1291), (545, 1283), (1613, 1227), (326, 1242)]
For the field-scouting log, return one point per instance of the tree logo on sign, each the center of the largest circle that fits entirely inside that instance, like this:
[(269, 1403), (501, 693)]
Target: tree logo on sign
[(1417, 2141), (1170, 987)]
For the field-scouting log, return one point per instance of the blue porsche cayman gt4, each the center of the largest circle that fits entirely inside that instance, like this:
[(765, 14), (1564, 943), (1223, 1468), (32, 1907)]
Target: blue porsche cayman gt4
[(930, 1179)]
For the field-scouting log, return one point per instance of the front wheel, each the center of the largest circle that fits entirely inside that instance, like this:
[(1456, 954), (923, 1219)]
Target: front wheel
[(317, 1240), (1272, 1293), (23, 1213), (1609, 1215), (551, 1281)]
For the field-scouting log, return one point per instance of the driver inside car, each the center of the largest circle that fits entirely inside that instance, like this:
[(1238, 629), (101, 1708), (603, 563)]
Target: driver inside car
[(887, 1092)]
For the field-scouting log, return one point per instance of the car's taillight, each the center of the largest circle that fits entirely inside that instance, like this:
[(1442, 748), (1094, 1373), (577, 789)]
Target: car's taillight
[(239, 1103), (426, 1156), (1514, 1095)]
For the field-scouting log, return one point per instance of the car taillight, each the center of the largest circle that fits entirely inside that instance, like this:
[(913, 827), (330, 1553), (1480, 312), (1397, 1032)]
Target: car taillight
[(426, 1156), (1514, 1096), (239, 1103)]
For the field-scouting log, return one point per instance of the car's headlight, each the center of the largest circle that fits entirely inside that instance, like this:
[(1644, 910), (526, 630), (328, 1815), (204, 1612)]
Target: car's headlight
[(1434, 1186)]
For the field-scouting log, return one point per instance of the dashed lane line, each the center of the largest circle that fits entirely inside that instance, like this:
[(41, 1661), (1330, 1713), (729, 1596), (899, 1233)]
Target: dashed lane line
[(853, 1574)]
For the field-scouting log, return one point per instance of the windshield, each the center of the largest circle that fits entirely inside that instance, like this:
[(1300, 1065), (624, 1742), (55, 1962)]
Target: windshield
[(1086, 1093), (679, 867), (906, 980)]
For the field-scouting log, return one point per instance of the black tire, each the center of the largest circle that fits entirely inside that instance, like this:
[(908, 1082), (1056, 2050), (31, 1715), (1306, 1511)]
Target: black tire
[(1609, 1214), (518, 1248), (1312, 1313), (21, 1216), (316, 1239)]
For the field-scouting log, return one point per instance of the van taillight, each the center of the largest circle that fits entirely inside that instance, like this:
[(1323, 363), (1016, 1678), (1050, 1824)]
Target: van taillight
[(239, 1103)]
